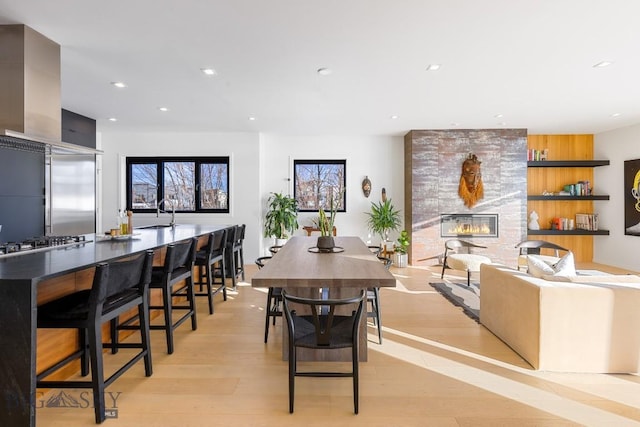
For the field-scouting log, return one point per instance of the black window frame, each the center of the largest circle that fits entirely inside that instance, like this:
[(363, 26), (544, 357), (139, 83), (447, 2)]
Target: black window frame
[(160, 161), (340, 162)]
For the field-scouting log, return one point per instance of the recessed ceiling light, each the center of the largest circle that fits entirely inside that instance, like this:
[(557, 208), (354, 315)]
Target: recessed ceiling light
[(602, 64), (394, 117), (454, 124), (324, 71), (433, 67), (209, 71), (251, 118), (119, 84), (614, 115), (113, 119), (502, 124), (497, 116), (163, 109)]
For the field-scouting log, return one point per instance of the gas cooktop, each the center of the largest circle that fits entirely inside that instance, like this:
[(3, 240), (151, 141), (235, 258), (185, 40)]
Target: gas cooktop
[(42, 243)]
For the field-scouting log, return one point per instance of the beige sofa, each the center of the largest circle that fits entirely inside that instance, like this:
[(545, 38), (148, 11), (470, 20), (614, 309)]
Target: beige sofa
[(588, 324)]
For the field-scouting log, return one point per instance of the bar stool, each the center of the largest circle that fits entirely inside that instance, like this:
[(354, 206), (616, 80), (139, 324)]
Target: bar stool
[(230, 261), (213, 253), (373, 298), (117, 287), (238, 250), (178, 267)]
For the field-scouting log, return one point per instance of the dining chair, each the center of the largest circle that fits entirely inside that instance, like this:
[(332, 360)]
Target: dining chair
[(206, 258), (322, 329), (118, 287), (274, 300)]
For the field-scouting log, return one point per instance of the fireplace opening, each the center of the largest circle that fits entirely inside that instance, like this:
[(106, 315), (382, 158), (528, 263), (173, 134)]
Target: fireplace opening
[(469, 225)]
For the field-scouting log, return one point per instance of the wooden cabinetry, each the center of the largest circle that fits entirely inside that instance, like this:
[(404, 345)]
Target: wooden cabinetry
[(570, 160)]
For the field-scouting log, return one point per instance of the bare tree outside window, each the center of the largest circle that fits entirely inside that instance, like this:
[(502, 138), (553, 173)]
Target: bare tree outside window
[(179, 185), (213, 185), (144, 186), (196, 184), (316, 182)]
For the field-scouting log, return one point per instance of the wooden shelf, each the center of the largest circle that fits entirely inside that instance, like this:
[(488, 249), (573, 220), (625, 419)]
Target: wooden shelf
[(567, 163), (567, 233), (571, 198)]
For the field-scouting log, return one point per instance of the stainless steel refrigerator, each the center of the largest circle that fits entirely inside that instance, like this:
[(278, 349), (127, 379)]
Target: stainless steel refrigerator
[(70, 193)]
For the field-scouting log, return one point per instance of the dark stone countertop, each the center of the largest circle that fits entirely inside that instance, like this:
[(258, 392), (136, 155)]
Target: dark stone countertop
[(58, 261)]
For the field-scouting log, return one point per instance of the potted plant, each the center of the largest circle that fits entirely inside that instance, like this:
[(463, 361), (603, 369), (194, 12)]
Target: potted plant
[(281, 219), (325, 225), (400, 257), (383, 218)]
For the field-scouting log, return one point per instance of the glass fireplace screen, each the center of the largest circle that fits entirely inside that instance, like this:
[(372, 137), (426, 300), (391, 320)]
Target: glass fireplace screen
[(469, 225)]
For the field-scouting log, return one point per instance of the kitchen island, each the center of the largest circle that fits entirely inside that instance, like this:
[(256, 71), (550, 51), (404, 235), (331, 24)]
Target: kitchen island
[(21, 278)]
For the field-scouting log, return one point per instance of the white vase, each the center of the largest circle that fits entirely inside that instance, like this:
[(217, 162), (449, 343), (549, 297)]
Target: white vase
[(400, 260), (281, 242)]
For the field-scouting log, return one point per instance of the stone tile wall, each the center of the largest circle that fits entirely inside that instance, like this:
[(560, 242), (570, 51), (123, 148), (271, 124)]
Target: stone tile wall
[(433, 163)]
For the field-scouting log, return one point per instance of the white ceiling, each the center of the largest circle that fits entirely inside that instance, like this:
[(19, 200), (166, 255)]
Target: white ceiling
[(529, 60)]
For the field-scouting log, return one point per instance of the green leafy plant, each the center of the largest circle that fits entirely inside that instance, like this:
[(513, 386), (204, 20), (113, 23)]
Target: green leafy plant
[(383, 219), (403, 242), (325, 223), (282, 218)]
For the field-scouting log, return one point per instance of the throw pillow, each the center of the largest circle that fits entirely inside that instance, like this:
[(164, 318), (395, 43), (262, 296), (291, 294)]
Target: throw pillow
[(566, 266), (563, 270), (537, 267)]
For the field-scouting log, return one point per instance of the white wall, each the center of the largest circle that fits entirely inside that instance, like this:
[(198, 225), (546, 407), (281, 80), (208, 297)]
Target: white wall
[(617, 146), (260, 164), (242, 148), (379, 158)]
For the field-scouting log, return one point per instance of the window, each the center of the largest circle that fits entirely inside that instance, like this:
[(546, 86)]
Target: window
[(315, 182), (194, 184)]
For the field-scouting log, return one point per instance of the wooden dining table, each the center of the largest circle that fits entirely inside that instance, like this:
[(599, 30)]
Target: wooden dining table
[(300, 269)]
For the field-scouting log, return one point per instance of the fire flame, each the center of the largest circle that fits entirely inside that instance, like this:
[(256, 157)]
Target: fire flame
[(470, 229)]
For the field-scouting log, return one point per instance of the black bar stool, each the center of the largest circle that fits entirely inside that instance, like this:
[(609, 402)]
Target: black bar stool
[(213, 252), (238, 250), (177, 268), (117, 287)]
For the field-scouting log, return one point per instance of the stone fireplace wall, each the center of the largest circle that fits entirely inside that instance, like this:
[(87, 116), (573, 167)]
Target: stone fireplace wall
[(433, 164)]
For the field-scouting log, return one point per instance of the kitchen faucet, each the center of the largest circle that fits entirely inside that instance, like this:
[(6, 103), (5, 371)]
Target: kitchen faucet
[(173, 211)]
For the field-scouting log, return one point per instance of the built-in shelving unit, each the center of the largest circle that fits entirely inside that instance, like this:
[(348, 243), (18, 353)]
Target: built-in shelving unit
[(568, 233), (555, 198), (569, 160), (567, 163)]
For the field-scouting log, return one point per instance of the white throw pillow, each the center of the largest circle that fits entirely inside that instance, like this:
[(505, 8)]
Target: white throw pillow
[(566, 266), (563, 269), (537, 267)]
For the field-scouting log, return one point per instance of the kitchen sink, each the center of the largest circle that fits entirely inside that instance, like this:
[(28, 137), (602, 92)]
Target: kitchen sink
[(156, 226)]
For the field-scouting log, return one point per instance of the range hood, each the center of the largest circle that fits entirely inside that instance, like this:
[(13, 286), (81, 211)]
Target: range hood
[(30, 107)]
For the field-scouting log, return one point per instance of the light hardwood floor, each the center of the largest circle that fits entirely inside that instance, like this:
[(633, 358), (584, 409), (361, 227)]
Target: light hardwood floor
[(436, 367)]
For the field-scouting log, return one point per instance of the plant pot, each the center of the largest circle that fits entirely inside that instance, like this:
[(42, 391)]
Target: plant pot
[(281, 242), (325, 243), (400, 260)]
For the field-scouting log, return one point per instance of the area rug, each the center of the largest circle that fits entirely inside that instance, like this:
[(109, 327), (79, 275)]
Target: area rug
[(461, 295)]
